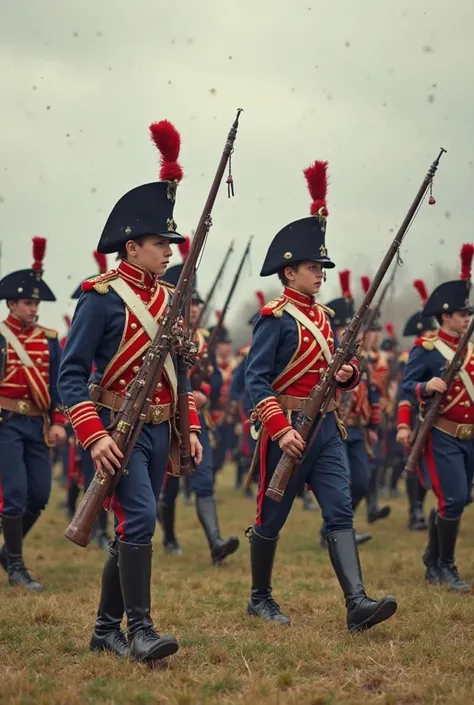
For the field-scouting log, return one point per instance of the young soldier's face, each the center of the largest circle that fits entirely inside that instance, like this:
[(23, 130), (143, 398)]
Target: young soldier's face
[(307, 278), (26, 310), (458, 321), (153, 253)]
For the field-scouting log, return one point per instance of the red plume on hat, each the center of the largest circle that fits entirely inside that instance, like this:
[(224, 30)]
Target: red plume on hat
[(218, 315), (39, 250), (101, 261), (390, 328), (344, 278), (260, 298), (317, 181), (420, 286), (184, 248), (365, 283), (168, 141), (467, 253), (67, 320)]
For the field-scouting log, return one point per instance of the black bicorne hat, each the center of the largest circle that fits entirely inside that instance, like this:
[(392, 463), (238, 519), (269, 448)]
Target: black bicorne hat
[(390, 342), (173, 273), (417, 323), (375, 326), (102, 266), (453, 295), (148, 209), (28, 283), (223, 334), (343, 306), (303, 239)]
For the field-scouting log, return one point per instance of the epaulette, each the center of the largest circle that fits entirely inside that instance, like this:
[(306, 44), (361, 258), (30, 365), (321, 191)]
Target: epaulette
[(274, 308), (100, 284), (403, 357), (50, 333), (204, 332), (327, 310), (167, 285), (425, 343)]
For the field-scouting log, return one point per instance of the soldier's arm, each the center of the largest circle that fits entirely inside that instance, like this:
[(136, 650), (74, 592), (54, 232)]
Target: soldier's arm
[(85, 336), (373, 395), (237, 384), (58, 417), (215, 382), (413, 385), (259, 374)]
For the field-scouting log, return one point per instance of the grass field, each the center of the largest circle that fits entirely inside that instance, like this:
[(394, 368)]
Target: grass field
[(425, 654)]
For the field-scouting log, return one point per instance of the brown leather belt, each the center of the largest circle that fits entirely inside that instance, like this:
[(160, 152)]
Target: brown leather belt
[(289, 403), (20, 406), (462, 431), (112, 400)]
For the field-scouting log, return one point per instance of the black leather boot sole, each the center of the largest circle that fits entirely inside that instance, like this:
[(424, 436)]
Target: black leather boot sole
[(162, 647), (382, 610), (115, 642), (268, 610), (220, 551)]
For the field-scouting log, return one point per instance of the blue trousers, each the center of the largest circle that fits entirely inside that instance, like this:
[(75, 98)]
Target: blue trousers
[(450, 464), (25, 464), (324, 470), (225, 440), (202, 479), (357, 460), (134, 501)]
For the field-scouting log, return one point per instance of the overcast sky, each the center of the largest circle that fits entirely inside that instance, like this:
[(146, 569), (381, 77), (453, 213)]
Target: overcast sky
[(373, 87)]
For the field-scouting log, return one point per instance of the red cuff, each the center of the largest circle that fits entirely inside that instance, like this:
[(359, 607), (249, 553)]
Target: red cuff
[(194, 423), (418, 392), (271, 415), (58, 418), (86, 423), (404, 414)]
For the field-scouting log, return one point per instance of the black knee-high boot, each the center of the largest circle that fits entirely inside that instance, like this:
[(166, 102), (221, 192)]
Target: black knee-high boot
[(261, 603), (362, 611), (108, 635)]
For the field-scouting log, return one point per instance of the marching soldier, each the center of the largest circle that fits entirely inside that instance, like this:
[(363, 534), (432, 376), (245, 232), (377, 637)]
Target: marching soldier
[(359, 410), (417, 326), (112, 326), (449, 452), (291, 348), (224, 431), (32, 419), (392, 452), (81, 463), (202, 481), (378, 369)]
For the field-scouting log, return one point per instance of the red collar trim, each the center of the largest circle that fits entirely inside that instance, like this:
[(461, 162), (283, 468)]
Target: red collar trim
[(136, 275), (451, 340), (16, 325), (296, 297)]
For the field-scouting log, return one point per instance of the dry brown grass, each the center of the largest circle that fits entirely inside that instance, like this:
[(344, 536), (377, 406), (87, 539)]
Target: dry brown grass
[(425, 654)]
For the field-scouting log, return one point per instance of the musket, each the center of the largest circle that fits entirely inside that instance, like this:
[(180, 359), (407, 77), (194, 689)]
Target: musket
[(450, 371), (128, 423), (210, 294), (321, 396), (199, 371)]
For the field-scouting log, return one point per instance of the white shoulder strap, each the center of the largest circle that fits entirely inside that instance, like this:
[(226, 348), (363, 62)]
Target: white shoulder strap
[(448, 354), (138, 308), (312, 327), (12, 340)]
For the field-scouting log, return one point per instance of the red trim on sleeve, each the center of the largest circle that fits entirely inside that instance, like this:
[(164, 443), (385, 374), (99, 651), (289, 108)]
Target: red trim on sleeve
[(271, 415), (86, 423)]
